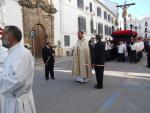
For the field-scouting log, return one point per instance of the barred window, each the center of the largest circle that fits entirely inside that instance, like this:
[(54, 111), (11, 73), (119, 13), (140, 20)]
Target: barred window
[(113, 28), (80, 4), (106, 30), (109, 18), (82, 24), (105, 15), (98, 11), (110, 30), (91, 9), (66, 40), (100, 28)]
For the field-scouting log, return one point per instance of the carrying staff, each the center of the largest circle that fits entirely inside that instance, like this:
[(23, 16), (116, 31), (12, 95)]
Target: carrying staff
[(99, 61), (48, 58), (148, 55)]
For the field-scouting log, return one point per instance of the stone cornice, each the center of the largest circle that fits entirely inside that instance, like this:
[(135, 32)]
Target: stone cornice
[(26, 3), (41, 4)]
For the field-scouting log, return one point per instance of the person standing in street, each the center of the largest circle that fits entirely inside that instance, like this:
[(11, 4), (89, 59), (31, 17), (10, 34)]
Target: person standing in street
[(81, 57), (16, 75), (91, 46), (148, 54), (99, 61), (48, 58)]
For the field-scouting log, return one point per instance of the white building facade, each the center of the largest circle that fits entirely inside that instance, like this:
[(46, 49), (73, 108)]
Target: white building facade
[(90, 16), (142, 26), (10, 13)]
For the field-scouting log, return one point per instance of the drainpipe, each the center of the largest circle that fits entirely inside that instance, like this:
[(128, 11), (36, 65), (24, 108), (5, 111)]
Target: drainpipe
[(61, 24)]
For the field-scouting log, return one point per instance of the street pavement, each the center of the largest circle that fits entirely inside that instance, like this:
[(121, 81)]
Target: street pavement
[(126, 89)]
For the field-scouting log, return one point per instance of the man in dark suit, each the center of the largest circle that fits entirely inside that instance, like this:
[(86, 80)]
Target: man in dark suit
[(148, 55), (48, 58), (99, 61)]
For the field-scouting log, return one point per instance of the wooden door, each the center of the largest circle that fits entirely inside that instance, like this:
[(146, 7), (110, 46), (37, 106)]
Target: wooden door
[(39, 41)]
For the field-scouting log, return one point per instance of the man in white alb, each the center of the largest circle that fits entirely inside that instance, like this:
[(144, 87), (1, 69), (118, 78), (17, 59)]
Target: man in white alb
[(16, 75)]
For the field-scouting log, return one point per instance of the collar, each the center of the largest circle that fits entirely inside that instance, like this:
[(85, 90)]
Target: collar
[(47, 46), (13, 47)]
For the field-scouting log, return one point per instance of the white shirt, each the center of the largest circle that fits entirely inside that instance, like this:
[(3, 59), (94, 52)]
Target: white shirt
[(122, 48), (133, 47), (16, 77), (140, 46)]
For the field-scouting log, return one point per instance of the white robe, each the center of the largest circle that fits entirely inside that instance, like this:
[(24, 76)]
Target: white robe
[(3, 55), (16, 77)]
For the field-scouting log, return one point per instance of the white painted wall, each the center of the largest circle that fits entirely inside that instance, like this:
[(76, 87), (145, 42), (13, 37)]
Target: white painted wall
[(140, 23), (14, 14), (66, 19)]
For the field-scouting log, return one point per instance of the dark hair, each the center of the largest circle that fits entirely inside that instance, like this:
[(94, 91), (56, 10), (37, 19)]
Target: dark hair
[(47, 42), (80, 32), (16, 32), (98, 37)]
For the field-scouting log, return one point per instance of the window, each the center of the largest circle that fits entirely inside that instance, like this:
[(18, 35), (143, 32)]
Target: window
[(98, 11), (112, 19), (113, 28), (100, 28), (91, 9), (80, 4), (110, 30), (93, 26), (106, 30), (82, 24), (105, 15), (108, 18), (66, 40)]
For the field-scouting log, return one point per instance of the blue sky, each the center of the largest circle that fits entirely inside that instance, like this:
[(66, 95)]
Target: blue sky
[(139, 10)]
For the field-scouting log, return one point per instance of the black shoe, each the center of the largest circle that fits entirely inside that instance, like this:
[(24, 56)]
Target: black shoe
[(46, 78), (97, 87), (148, 66), (53, 78)]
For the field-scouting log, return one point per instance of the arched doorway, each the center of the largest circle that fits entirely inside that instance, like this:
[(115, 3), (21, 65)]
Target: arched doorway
[(39, 41)]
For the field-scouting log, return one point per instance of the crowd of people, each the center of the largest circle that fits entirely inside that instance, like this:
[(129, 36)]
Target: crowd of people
[(131, 51), (17, 65)]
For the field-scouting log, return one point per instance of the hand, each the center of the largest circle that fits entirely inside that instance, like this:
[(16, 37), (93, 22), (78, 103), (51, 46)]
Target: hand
[(45, 64)]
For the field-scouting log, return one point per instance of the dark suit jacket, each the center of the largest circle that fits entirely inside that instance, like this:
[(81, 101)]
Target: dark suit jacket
[(148, 50), (99, 53), (46, 52)]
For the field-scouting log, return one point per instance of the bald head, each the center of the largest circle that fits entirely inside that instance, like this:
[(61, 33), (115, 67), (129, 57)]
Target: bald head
[(11, 35), (15, 31)]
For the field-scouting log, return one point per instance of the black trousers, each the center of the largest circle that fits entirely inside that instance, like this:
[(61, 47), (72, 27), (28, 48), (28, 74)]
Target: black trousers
[(99, 71), (49, 68), (133, 56), (148, 60), (121, 57)]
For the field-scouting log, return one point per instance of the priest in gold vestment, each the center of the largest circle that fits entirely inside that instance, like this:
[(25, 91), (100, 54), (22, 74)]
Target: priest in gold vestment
[(81, 56)]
